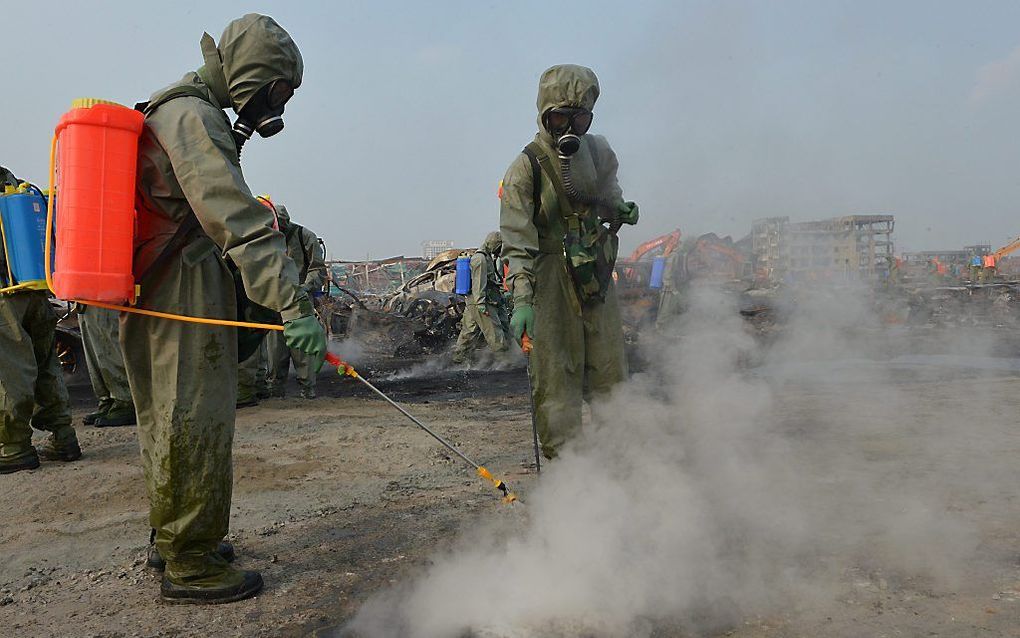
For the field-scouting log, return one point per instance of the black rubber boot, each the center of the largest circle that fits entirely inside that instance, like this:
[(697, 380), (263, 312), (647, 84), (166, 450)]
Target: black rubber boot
[(27, 462), (250, 585), (117, 417), (67, 452), (155, 561), (90, 418)]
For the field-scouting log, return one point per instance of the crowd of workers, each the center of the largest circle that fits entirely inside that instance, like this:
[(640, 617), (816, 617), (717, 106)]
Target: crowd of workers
[(210, 248)]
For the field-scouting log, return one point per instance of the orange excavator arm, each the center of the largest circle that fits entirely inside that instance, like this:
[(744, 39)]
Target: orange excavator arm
[(1007, 249), (668, 243)]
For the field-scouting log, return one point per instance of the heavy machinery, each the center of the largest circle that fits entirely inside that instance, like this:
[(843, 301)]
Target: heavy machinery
[(990, 263)]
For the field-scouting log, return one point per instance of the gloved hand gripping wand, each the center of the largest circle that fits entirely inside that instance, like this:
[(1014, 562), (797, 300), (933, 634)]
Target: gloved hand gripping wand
[(344, 369)]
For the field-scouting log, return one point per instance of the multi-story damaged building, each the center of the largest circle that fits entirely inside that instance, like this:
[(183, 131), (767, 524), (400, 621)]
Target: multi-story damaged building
[(434, 247), (841, 248)]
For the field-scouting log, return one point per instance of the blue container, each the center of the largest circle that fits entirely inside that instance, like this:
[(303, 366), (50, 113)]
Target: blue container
[(658, 270), (463, 285), (24, 219), (975, 261)]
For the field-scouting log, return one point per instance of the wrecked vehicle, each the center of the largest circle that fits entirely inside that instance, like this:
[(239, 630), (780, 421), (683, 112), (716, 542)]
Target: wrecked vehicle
[(422, 316)]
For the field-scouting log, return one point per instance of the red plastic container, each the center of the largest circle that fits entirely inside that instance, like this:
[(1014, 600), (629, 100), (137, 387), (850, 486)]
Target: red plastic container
[(97, 156)]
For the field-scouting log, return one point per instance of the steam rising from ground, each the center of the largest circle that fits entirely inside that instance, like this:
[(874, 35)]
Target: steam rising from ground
[(699, 496)]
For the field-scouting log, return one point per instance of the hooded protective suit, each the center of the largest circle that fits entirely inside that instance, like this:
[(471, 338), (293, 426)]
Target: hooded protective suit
[(32, 390), (304, 249), (183, 376), (485, 318), (578, 348)]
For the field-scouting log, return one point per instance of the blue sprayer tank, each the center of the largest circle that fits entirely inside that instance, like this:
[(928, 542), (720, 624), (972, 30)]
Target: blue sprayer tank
[(658, 270), (463, 285), (23, 215)]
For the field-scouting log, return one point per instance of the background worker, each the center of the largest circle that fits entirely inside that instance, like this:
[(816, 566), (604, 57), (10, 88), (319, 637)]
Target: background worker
[(557, 197), (198, 225), (100, 336), (304, 249), (485, 319), (32, 390)]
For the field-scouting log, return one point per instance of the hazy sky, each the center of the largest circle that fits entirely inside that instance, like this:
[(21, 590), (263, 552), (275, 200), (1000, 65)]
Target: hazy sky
[(721, 112)]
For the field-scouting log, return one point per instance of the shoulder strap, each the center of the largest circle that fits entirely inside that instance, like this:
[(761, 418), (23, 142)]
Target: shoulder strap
[(534, 150), (184, 90)]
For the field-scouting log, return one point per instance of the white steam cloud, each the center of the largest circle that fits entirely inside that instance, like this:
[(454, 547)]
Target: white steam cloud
[(700, 495)]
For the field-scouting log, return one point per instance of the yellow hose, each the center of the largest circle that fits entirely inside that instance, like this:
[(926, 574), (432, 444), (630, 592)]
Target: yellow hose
[(98, 304)]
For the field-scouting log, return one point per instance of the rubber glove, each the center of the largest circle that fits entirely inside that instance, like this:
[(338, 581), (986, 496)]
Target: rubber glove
[(627, 213), (522, 322), (306, 334)]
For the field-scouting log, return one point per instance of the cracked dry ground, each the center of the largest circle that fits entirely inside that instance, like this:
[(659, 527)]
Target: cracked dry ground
[(337, 498)]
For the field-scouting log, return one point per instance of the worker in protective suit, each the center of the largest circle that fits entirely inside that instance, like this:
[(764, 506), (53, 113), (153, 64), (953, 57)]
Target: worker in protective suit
[(198, 226), (485, 319), (303, 247), (100, 336), (560, 208), (32, 390)]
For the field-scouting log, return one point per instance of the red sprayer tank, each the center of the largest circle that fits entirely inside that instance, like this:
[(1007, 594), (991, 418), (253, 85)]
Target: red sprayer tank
[(97, 151)]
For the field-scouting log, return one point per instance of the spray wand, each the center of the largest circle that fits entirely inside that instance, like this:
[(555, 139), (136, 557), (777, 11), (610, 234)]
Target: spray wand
[(345, 369)]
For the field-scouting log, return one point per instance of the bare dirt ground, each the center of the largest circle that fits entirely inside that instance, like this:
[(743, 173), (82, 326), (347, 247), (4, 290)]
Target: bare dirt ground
[(337, 498)]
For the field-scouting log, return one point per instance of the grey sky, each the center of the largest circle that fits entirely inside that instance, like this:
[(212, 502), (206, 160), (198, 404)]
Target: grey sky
[(721, 112)]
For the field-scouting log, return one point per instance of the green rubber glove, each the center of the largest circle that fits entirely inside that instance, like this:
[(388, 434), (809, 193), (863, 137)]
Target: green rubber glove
[(522, 322), (306, 334), (627, 213)]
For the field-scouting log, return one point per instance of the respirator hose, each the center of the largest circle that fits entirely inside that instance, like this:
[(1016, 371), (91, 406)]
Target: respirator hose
[(574, 195)]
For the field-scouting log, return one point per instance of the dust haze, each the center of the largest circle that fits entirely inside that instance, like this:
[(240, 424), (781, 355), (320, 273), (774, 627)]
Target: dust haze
[(700, 497)]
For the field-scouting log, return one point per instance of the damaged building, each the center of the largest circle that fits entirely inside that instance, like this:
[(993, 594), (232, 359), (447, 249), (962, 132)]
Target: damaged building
[(841, 248)]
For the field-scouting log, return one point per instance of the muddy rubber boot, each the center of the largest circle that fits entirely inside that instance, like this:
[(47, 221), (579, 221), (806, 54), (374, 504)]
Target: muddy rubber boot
[(307, 393), (28, 460), (66, 452), (229, 586), (155, 561), (90, 418), (117, 417)]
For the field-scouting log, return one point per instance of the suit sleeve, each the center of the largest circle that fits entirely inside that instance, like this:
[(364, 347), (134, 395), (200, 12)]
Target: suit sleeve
[(316, 276), (197, 139), (517, 226), (606, 166)]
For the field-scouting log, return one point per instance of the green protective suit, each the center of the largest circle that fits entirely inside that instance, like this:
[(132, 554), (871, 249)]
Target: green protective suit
[(304, 249), (578, 349), (183, 376), (32, 390), (100, 335), (485, 319)]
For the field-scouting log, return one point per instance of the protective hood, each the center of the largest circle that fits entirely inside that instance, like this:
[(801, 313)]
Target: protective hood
[(252, 52), (566, 85), (493, 243), (282, 215)]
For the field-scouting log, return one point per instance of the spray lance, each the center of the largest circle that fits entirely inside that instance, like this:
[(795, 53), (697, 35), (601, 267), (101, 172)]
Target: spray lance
[(345, 369)]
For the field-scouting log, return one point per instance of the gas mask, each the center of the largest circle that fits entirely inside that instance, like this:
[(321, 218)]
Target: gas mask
[(567, 124), (263, 113)]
